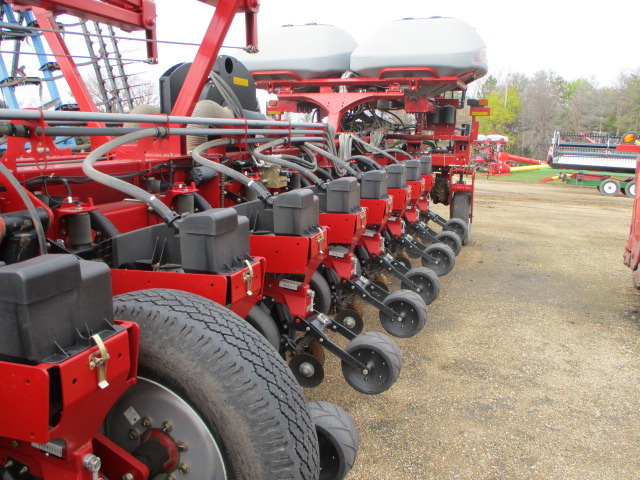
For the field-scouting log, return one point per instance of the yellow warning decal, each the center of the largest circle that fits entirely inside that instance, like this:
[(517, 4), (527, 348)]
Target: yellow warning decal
[(479, 114), (243, 82)]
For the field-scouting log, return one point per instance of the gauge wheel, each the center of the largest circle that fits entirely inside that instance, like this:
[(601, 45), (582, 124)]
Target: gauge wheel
[(322, 293), (209, 381)]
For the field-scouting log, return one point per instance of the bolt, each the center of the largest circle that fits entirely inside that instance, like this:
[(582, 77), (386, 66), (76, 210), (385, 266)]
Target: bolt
[(184, 468), (167, 427), (307, 370), (14, 443), (8, 465), (349, 322), (91, 463), (128, 476), (170, 477), (147, 422), (365, 372), (23, 470), (182, 446), (134, 434)]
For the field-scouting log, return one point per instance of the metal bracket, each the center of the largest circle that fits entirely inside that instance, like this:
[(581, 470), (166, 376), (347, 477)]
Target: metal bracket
[(396, 269), (99, 360), (410, 242), (321, 242), (248, 277)]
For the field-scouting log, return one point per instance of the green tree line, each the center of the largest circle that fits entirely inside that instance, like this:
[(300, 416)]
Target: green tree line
[(529, 109)]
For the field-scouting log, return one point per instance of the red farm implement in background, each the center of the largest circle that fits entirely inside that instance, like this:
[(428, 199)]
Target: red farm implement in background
[(632, 249)]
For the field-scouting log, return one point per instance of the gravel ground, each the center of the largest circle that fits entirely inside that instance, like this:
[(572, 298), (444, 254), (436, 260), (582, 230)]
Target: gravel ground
[(529, 365)]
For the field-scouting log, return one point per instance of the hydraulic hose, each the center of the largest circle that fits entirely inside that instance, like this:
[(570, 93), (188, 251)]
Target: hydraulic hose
[(42, 239), (334, 159), (261, 190), (368, 160), (376, 149), (284, 163), (168, 215), (397, 150)]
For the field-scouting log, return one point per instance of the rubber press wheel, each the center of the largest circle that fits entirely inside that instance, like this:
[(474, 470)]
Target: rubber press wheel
[(460, 228), (411, 313), (221, 386), (444, 259), (337, 438), (427, 281), (609, 187), (382, 358), (451, 240)]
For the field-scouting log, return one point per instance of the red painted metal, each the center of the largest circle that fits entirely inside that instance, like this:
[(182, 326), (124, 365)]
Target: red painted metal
[(83, 408), (631, 255)]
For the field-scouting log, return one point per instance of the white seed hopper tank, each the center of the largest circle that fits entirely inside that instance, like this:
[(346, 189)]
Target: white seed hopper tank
[(308, 51), (449, 46)]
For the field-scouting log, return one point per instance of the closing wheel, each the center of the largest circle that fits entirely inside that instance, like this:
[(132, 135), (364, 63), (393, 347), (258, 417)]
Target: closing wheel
[(264, 324), (451, 240), (427, 281), (188, 347), (609, 187), (307, 369), (337, 438), (350, 319), (382, 358), (322, 293), (411, 314), (404, 261), (630, 189), (444, 257)]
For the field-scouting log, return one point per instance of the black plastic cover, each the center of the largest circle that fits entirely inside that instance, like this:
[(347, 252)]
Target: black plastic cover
[(397, 175)]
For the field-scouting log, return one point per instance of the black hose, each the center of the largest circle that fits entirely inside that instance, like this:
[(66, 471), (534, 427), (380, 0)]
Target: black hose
[(370, 162), (42, 239), (168, 215), (200, 202), (102, 224), (261, 190)]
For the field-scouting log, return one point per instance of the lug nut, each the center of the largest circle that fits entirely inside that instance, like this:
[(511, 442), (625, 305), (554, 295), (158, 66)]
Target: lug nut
[(182, 446), (184, 468), (147, 422), (167, 427), (134, 434), (128, 476)]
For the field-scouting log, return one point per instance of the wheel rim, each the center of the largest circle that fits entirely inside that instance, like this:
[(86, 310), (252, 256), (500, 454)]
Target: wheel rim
[(150, 400), (426, 285), (632, 190), (609, 188), (405, 324), (377, 376), (330, 460)]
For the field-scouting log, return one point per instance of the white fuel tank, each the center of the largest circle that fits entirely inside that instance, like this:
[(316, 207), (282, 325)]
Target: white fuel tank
[(308, 51), (449, 46)]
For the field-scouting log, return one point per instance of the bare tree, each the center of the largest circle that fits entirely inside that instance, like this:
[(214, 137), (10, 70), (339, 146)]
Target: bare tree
[(541, 113)]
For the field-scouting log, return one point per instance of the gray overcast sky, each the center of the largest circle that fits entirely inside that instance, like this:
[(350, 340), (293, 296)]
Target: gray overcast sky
[(575, 38)]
